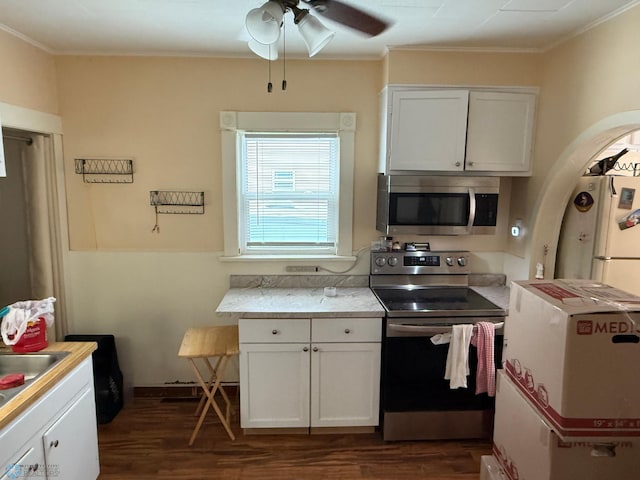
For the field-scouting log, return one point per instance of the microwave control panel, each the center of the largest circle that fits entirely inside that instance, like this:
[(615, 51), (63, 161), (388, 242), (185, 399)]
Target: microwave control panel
[(420, 263)]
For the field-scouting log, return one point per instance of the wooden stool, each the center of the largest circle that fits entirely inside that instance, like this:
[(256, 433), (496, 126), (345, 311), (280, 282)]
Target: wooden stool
[(207, 343)]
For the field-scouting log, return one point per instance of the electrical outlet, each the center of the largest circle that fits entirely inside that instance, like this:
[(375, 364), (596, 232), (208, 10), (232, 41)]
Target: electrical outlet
[(293, 268)]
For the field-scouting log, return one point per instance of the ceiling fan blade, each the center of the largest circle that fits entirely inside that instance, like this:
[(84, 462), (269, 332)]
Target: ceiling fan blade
[(349, 16)]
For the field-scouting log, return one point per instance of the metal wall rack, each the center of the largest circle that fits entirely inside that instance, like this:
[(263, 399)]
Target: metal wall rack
[(177, 202), (105, 170)]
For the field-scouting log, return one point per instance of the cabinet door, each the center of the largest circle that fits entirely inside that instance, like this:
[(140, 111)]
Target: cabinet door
[(70, 447), (345, 384), (428, 130), (274, 385), (29, 465), (500, 131)]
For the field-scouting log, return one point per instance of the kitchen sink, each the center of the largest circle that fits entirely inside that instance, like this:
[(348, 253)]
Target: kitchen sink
[(32, 365)]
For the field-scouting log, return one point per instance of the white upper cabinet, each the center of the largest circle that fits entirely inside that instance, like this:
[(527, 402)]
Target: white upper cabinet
[(429, 130), (456, 130), (500, 131)]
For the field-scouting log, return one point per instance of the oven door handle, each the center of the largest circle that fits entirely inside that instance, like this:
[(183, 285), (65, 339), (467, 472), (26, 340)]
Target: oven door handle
[(428, 329)]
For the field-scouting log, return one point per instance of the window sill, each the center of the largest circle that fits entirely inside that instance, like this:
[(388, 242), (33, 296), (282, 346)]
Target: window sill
[(289, 258)]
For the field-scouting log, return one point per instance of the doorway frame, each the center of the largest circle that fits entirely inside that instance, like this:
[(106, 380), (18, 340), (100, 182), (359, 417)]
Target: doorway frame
[(50, 125), (571, 164)]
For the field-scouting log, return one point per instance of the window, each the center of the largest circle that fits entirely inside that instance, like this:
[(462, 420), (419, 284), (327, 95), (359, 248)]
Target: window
[(287, 184), (277, 215), (283, 181)]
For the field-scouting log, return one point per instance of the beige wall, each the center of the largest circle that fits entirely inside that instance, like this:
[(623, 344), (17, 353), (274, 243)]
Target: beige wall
[(163, 112), (464, 68), (28, 75), (146, 287), (586, 81)]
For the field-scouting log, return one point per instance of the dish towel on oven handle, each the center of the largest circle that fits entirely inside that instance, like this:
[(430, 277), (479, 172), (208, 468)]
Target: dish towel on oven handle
[(457, 367), (484, 341)]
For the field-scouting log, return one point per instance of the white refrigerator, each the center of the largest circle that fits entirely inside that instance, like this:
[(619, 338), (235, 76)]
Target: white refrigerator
[(600, 234)]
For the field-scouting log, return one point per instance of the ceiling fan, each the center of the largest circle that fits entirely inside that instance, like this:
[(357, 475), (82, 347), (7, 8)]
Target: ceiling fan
[(264, 24)]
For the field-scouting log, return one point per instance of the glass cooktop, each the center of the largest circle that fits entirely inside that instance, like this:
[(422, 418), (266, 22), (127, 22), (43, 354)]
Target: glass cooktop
[(435, 301)]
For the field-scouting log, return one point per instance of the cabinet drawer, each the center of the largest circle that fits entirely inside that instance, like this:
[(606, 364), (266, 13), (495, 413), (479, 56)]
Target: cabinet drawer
[(346, 329), (269, 330), (31, 464)]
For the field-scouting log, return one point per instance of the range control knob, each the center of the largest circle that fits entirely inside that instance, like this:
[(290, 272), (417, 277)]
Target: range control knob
[(462, 261), (392, 261), (449, 261), (380, 261)]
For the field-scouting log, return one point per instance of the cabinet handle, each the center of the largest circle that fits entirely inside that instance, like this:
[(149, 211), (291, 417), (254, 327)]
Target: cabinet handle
[(470, 164), (33, 468), (305, 349), (315, 349), (347, 331), (274, 331), (457, 164), (54, 444)]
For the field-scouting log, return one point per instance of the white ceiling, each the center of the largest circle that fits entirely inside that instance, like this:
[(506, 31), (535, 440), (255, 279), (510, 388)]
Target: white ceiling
[(216, 27)]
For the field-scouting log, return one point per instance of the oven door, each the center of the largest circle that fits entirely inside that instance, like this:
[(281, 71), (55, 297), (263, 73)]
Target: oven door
[(417, 402)]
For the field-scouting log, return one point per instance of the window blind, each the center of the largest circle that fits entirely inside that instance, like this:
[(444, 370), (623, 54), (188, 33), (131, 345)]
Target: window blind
[(289, 192)]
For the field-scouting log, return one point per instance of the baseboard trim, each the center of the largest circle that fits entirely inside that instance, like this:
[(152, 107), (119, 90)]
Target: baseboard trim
[(177, 391), (308, 430), (276, 431), (341, 430)]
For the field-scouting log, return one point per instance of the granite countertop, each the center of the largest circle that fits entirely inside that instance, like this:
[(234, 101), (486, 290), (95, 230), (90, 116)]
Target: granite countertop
[(293, 296), (298, 303), (496, 294)]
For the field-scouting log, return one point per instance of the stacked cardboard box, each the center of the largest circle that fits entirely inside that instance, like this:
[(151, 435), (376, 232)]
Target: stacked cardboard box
[(490, 469), (568, 399)]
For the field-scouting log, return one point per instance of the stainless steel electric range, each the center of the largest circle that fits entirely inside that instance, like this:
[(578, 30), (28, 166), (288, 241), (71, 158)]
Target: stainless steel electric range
[(424, 293)]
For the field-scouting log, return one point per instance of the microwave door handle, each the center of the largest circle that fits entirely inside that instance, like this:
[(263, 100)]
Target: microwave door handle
[(472, 209)]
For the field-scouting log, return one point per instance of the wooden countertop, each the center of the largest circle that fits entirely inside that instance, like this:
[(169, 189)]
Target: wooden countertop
[(78, 351)]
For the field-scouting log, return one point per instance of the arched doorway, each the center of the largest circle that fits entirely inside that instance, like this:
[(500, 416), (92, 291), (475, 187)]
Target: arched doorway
[(547, 217)]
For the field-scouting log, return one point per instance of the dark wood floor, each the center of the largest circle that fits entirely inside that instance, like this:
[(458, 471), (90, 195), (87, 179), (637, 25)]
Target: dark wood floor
[(148, 440)]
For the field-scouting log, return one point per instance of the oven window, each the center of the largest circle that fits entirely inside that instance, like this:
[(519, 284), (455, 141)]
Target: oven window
[(413, 377), (450, 209)]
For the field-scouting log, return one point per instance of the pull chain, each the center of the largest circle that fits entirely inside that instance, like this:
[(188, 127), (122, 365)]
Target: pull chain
[(284, 57), (269, 85)]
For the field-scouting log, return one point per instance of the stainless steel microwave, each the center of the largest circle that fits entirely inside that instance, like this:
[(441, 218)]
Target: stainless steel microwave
[(437, 205)]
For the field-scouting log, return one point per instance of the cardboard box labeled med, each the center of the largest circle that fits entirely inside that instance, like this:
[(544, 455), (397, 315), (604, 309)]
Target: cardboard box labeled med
[(527, 448), (572, 347), (490, 469)]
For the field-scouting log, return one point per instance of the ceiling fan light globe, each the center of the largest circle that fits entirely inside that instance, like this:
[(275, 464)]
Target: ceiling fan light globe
[(263, 24), (268, 52), (314, 34)]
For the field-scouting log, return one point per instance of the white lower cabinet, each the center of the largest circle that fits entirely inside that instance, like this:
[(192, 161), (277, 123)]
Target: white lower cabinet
[(322, 372), (274, 385), (74, 432), (345, 384), (55, 438)]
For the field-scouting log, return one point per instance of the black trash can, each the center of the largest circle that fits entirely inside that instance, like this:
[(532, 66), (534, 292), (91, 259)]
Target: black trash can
[(107, 376)]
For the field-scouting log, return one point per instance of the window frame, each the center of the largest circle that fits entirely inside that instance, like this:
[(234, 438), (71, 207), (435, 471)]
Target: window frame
[(342, 123)]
